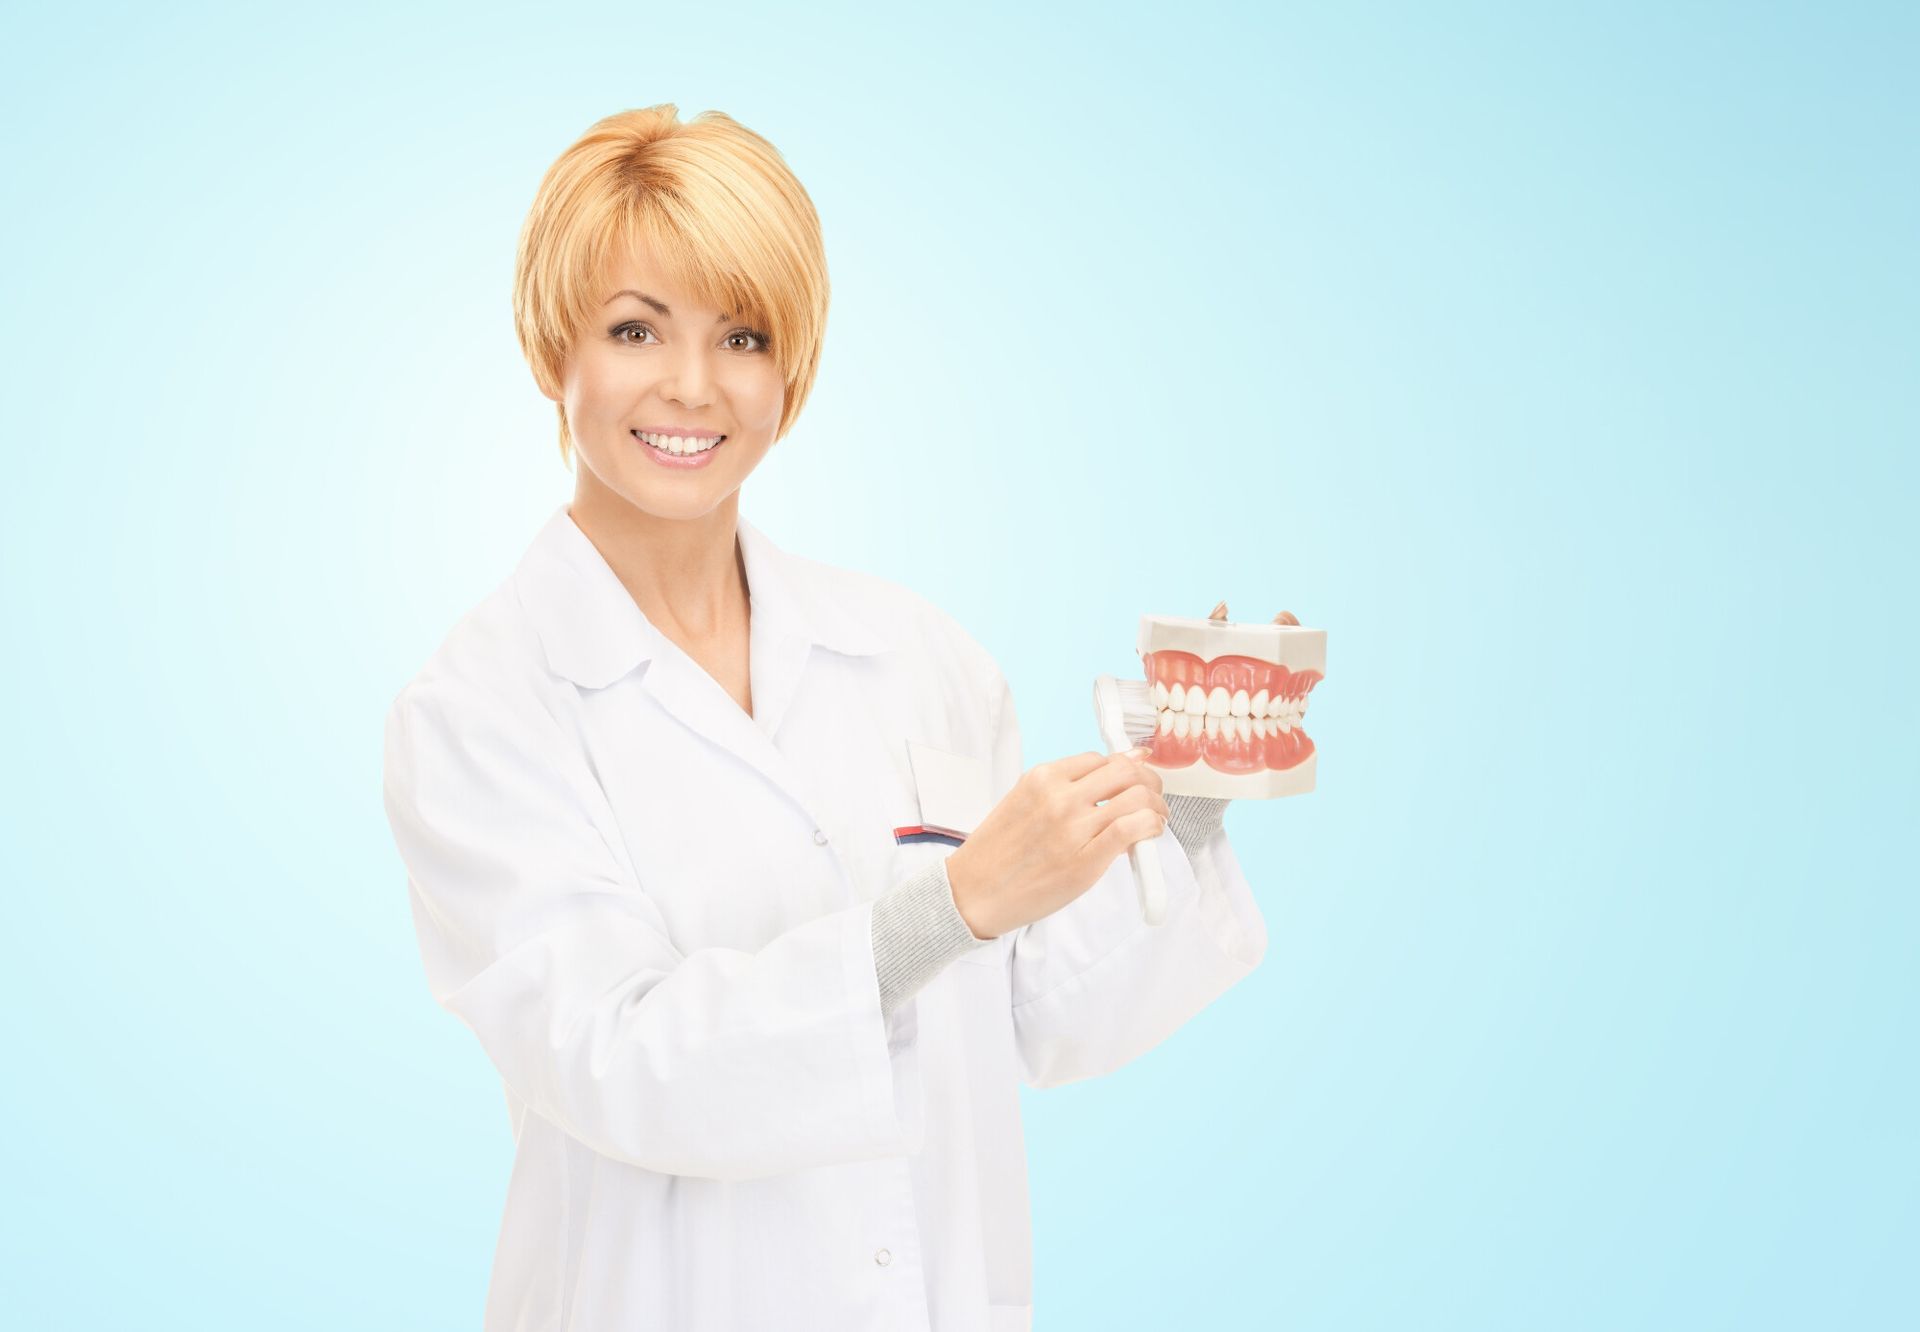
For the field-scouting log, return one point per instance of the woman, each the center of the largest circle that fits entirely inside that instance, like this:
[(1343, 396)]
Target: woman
[(761, 1050)]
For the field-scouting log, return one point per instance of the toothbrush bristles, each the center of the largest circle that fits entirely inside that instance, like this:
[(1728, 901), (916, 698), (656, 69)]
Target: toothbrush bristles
[(1136, 709)]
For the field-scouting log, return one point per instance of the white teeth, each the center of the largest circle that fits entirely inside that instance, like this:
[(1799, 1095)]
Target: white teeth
[(1189, 711), (1182, 724), (682, 444)]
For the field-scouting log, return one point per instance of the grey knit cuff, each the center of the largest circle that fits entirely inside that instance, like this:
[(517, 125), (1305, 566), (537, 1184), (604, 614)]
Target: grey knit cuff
[(917, 930), (1194, 819)]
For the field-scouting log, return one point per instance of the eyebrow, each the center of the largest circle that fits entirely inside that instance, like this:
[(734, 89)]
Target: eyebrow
[(660, 306)]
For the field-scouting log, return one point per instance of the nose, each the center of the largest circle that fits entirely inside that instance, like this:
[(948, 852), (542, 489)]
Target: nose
[(689, 379)]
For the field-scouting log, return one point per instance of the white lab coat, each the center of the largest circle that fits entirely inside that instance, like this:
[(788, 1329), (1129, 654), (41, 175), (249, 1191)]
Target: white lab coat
[(654, 910)]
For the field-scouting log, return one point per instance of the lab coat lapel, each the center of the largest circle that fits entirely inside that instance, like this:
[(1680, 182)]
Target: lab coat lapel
[(776, 661), (594, 634)]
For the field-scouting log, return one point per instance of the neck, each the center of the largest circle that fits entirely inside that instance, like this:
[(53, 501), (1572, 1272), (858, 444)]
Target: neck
[(685, 574)]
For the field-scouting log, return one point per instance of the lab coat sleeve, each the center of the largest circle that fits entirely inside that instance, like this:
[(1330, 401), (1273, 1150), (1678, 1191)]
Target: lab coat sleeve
[(1095, 986), (718, 1062)]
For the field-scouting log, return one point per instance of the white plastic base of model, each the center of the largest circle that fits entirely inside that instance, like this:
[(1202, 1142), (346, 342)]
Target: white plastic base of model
[(1197, 779)]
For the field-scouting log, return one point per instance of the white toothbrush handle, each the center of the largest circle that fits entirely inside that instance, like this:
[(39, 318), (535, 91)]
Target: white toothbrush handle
[(1153, 888), (1141, 855)]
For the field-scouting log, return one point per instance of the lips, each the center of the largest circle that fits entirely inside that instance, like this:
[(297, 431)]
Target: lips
[(1248, 720)]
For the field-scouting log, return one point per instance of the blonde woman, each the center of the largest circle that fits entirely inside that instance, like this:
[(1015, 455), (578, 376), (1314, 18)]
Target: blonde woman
[(728, 857)]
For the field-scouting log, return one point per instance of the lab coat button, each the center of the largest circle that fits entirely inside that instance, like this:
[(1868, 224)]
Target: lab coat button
[(883, 1257), (819, 837)]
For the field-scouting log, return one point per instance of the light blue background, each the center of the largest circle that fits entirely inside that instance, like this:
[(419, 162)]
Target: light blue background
[(1558, 360)]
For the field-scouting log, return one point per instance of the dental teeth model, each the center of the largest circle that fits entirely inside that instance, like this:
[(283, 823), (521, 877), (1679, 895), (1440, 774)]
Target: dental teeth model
[(1228, 701)]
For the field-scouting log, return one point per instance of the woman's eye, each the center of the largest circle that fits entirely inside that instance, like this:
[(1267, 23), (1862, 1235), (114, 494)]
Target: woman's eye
[(620, 335)]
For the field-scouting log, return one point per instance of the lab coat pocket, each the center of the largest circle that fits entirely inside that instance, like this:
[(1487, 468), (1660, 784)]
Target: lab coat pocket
[(952, 791), (935, 807)]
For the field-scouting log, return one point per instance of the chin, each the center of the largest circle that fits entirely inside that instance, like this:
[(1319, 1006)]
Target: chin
[(681, 504)]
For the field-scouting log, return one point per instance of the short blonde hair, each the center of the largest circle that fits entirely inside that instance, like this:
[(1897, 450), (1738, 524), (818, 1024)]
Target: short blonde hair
[(713, 202)]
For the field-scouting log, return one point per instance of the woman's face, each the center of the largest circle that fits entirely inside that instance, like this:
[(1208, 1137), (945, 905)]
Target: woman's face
[(653, 361)]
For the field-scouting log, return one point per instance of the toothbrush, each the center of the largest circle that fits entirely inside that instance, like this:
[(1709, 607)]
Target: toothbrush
[(1125, 710)]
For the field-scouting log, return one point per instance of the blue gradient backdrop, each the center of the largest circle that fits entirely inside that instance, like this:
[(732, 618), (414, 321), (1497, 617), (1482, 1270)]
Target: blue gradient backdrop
[(1560, 361)]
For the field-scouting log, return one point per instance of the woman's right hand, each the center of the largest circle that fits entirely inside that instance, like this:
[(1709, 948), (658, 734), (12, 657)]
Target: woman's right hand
[(1050, 838)]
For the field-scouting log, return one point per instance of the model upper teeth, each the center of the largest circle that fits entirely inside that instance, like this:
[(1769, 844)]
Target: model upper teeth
[(681, 443)]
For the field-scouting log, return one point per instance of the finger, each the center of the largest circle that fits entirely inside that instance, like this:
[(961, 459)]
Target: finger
[(1116, 774), (1155, 802), (1138, 798), (1134, 800), (1140, 825), (1151, 825), (1145, 776), (1075, 766)]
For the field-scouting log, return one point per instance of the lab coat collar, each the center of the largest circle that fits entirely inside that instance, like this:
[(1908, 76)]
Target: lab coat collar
[(593, 632)]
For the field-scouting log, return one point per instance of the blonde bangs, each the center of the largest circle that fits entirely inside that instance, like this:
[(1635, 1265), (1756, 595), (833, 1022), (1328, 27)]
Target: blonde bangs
[(718, 211)]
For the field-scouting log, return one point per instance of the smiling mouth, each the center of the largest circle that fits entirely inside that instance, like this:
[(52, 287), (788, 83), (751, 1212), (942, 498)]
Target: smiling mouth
[(679, 446)]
